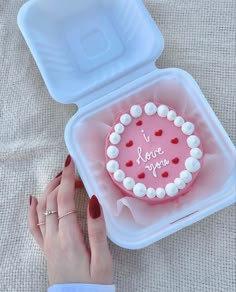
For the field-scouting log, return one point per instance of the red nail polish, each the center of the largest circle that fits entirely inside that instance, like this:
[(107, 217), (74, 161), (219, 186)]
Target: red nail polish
[(59, 174), (79, 184), (68, 160), (30, 200), (94, 207)]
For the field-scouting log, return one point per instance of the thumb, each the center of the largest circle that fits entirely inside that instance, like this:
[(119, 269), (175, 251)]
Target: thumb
[(101, 260)]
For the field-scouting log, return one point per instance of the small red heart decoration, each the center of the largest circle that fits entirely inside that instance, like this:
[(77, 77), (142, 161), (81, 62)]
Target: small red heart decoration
[(129, 163), (158, 133), (165, 174), (175, 141), (129, 144), (139, 123), (175, 160), (141, 175)]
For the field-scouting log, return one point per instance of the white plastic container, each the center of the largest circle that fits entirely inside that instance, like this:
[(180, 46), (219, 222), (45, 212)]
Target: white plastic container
[(100, 55)]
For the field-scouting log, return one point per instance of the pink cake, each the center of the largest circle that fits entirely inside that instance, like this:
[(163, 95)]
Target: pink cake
[(152, 153)]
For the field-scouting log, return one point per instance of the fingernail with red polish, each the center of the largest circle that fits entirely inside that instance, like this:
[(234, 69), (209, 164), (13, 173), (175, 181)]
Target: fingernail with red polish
[(68, 160), (94, 207), (79, 184), (59, 174), (30, 200)]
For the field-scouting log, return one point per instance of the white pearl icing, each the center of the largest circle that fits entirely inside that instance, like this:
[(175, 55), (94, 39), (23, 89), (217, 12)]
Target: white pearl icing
[(119, 175), (171, 189), (188, 128), (112, 152), (150, 108), (171, 115), (178, 121), (119, 128), (196, 153), (140, 190), (179, 183), (125, 119), (162, 111), (115, 138), (193, 141), (128, 183), (136, 111), (112, 166), (192, 164), (186, 176), (151, 193), (160, 193)]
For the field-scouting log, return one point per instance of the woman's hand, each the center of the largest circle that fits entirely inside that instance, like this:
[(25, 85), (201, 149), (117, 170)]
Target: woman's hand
[(62, 241)]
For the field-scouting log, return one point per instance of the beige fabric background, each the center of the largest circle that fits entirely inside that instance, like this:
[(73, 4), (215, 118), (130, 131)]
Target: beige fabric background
[(200, 38)]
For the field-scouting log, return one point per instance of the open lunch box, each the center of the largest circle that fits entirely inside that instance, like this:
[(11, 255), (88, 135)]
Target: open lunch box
[(100, 55)]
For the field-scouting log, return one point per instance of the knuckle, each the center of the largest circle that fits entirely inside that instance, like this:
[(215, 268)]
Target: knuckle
[(63, 199), (41, 205), (66, 180), (51, 199)]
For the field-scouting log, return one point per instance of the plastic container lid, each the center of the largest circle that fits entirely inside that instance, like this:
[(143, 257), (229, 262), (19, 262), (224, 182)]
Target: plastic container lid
[(86, 49)]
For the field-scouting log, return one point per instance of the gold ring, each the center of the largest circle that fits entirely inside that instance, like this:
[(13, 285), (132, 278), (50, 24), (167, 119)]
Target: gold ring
[(68, 213), (49, 212), (41, 223)]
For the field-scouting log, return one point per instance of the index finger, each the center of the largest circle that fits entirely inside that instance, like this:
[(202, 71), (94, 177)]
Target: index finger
[(66, 202), (68, 224), (65, 199)]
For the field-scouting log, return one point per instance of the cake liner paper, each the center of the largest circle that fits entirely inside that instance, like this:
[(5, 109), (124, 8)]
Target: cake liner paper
[(91, 135)]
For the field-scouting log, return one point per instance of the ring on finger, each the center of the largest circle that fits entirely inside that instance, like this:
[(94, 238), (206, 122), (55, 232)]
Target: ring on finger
[(50, 212), (66, 214), (59, 217), (41, 223)]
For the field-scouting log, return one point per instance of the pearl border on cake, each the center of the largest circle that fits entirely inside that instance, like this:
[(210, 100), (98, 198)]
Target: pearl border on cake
[(192, 163)]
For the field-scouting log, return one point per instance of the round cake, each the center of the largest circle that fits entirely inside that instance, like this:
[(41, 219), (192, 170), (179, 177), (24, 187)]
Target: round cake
[(153, 153)]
